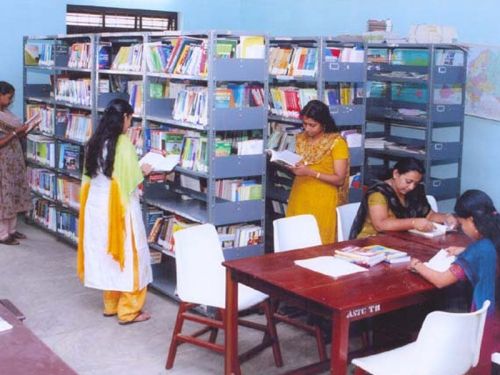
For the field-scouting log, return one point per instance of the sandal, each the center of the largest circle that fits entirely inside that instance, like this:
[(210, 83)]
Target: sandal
[(18, 235), (10, 240), (106, 315), (142, 317)]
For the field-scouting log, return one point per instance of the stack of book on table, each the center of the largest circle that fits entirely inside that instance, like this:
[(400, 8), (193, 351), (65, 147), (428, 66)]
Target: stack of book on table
[(371, 255)]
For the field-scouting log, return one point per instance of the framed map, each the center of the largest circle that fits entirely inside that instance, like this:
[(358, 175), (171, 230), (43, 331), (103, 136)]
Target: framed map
[(483, 82)]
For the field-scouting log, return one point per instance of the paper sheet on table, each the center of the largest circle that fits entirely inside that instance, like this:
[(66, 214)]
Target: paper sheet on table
[(330, 266), (441, 261), (4, 326), (159, 162)]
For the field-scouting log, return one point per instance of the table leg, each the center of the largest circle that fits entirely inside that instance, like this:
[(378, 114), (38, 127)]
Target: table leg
[(340, 344), (231, 363)]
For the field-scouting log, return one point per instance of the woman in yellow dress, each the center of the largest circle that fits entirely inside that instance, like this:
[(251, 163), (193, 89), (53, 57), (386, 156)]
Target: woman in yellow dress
[(321, 177)]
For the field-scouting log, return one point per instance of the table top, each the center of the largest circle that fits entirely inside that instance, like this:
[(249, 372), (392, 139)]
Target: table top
[(21, 352), (383, 284), (439, 242)]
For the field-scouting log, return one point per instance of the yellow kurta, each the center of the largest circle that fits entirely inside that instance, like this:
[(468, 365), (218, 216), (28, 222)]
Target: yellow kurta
[(312, 196), (374, 199)]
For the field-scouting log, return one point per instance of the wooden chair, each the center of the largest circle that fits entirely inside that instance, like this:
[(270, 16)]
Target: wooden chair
[(201, 281), (292, 233)]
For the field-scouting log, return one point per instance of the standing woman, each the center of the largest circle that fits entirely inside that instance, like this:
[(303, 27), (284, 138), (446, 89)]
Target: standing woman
[(321, 182), (113, 254), (14, 188)]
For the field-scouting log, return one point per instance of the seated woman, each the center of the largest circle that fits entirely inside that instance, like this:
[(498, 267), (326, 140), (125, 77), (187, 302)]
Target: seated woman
[(475, 264), (397, 204)]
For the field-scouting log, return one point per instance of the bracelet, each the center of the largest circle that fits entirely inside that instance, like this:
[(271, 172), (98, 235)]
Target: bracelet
[(14, 132), (317, 175)]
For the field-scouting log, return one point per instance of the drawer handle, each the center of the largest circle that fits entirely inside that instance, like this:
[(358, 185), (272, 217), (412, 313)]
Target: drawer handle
[(442, 69), (440, 108)]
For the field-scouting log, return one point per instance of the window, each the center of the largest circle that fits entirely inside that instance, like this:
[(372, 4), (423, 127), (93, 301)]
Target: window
[(91, 19)]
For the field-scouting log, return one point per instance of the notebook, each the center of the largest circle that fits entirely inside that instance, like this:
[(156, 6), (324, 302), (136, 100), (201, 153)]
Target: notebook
[(439, 230)]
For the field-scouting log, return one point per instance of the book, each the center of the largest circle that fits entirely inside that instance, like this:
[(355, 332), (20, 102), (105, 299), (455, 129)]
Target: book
[(159, 162), (441, 261), (439, 230), (285, 157)]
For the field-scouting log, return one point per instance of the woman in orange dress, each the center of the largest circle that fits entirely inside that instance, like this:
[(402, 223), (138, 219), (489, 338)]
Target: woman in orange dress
[(321, 177)]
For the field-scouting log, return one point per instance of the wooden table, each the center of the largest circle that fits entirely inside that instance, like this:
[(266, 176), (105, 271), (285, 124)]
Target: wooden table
[(386, 287), (439, 242), (21, 352)]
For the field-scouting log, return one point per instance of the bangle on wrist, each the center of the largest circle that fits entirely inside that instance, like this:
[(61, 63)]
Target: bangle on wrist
[(318, 175)]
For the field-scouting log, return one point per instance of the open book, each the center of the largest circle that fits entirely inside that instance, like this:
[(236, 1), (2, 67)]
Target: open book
[(285, 157), (159, 162), (441, 261), (439, 230)]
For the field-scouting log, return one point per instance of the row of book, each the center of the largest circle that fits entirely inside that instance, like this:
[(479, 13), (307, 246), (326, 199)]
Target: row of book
[(80, 56), (46, 115), (162, 230), (293, 61), (344, 93), (239, 235), (40, 54), (68, 192), (74, 91), (57, 220), (355, 54), (415, 57), (128, 58), (416, 92), (135, 133), (41, 149), (282, 136), (78, 126), (237, 190), (44, 213), (287, 101), (239, 96), (42, 181)]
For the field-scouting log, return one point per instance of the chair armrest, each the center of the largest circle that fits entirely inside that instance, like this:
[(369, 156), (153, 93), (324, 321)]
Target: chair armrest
[(13, 309)]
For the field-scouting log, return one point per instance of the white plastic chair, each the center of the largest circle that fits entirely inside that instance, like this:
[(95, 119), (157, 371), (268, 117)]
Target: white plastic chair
[(295, 232), (448, 343), (201, 280), (432, 202), (495, 363), (345, 217)]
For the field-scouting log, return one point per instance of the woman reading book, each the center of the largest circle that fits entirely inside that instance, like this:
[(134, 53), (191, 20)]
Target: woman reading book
[(14, 189), (321, 181), (397, 204), (113, 253), (476, 264)]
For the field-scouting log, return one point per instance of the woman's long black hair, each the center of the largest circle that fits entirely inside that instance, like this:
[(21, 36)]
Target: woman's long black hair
[(319, 111), (478, 205), (107, 133), (6, 88)]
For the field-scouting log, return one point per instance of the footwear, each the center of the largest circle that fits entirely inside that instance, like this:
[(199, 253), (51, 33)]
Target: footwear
[(10, 240), (18, 235), (108, 315), (142, 317)]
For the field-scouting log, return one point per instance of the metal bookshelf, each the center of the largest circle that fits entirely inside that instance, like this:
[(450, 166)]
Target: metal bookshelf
[(417, 102)]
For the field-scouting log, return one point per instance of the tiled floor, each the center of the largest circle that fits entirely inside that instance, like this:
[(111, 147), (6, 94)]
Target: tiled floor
[(39, 277)]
